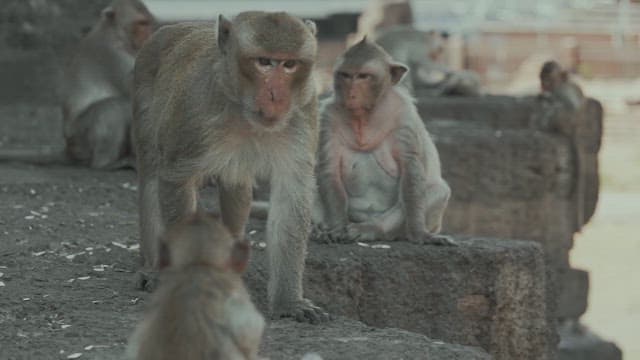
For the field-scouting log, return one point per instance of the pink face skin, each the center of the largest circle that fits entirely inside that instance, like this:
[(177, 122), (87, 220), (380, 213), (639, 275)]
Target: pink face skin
[(275, 78)]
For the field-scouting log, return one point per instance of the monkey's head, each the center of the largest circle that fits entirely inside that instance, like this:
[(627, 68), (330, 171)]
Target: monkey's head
[(552, 75), (203, 240), (363, 74), (268, 60), (131, 21)]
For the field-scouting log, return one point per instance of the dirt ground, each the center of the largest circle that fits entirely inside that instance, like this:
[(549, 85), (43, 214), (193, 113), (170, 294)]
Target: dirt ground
[(609, 246)]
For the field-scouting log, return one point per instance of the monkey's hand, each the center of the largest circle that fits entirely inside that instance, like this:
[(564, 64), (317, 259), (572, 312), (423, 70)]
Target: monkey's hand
[(364, 232), (427, 238), (302, 311), (147, 280)]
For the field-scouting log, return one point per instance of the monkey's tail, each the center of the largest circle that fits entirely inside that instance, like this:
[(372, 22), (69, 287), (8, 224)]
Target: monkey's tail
[(42, 156)]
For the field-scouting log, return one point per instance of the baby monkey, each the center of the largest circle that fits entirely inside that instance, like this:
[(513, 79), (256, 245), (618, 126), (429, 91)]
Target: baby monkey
[(379, 174), (201, 309)]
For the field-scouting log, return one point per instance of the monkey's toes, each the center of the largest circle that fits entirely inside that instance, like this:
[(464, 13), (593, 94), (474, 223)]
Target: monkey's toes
[(146, 280), (440, 240), (304, 311)]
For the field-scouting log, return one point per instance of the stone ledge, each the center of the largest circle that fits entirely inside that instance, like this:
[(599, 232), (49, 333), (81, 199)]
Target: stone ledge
[(348, 339), (486, 292)]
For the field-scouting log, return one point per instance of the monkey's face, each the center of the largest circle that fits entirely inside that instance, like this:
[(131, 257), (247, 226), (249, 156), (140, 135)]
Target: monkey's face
[(269, 57), (131, 21), (359, 88), (273, 84)]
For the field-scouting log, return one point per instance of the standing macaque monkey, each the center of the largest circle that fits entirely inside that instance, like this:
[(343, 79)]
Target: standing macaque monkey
[(229, 102), (379, 171), (97, 96), (555, 81), (202, 309)]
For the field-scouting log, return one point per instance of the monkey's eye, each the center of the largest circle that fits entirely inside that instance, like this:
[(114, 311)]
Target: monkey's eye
[(344, 75), (262, 61), (364, 76)]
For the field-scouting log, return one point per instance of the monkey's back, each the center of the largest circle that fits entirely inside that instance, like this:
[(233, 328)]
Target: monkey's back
[(199, 314), (171, 80)]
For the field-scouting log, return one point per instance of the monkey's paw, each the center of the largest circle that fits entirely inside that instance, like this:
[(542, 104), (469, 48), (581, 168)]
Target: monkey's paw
[(433, 239), (302, 311), (324, 235), (147, 280)]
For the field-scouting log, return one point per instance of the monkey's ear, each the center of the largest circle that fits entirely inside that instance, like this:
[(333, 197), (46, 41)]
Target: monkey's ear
[(397, 71), (164, 258), (239, 256), (312, 27), (224, 32), (109, 13)]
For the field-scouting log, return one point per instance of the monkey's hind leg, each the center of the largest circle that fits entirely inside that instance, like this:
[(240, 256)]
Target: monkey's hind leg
[(108, 134)]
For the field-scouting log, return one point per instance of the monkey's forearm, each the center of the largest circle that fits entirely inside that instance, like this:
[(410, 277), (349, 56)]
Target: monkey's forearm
[(413, 188), (334, 201)]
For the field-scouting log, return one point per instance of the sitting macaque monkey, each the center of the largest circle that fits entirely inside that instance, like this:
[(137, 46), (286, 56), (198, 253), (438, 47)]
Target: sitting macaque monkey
[(202, 309), (231, 101), (422, 51), (96, 94), (379, 171), (555, 81)]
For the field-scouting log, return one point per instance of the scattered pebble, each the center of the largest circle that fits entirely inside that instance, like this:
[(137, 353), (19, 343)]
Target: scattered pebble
[(29, 217), (363, 244), (32, 191), (1, 274), (71, 280), (123, 246), (18, 206), (39, 253), (94, 214), (3, 267), (253, 232), (380, 246), (72, 256), (26, 299), (65, 326), (74, 356), (2, 284), (262, 245), (100, 268), (134, 301), (129, 186), (84, 278)]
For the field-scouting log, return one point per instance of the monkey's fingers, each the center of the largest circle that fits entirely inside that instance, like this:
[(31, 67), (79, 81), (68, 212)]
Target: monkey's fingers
[(146, 280), (439, 240), (303, 311)]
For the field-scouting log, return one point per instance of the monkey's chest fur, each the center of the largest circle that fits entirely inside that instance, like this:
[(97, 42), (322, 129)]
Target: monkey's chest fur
[(371, 179)]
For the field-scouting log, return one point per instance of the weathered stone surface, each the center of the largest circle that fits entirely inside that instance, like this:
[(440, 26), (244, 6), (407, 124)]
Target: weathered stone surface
[(348, 339), (573, 296), (508, 183), (577, 342), (485, 292)]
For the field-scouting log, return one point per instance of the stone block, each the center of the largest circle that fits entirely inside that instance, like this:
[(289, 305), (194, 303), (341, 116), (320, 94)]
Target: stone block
[(486, 292), (573, 294), (348, 339), (510, 183), (577, 342)]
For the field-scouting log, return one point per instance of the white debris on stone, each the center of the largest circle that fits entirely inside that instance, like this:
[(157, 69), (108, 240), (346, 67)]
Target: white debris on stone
[(74, 356), (84, 278), (65, 326), (363, 244), (380, 246), (2, 284)]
